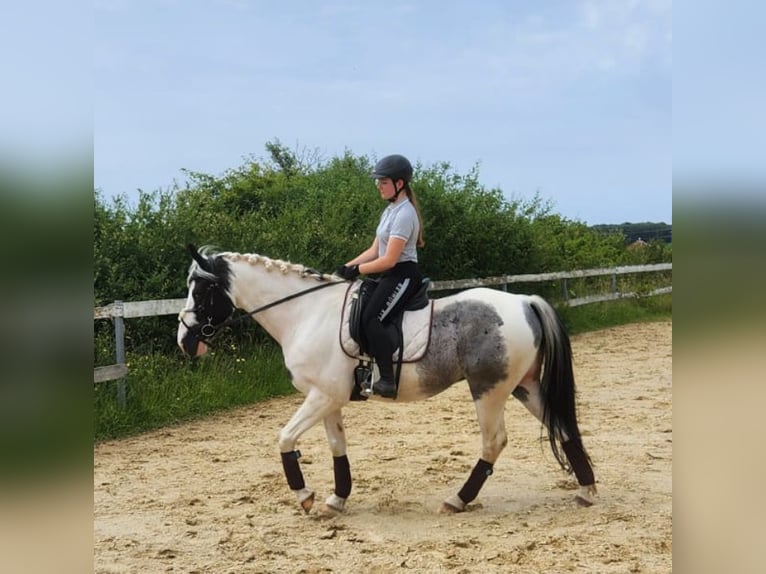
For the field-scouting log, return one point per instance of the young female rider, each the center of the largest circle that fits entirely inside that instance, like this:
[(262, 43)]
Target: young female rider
[(393, 254)]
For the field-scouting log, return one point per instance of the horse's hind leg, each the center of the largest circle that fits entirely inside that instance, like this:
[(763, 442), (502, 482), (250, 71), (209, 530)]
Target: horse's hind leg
[(528, 394), (490, 408), (315, 408), (336, 436)]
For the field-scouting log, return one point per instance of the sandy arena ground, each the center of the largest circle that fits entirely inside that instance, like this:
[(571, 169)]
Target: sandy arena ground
[(210, 496)]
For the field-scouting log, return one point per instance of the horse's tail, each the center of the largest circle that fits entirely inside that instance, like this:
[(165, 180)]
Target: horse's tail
[(557, 382)]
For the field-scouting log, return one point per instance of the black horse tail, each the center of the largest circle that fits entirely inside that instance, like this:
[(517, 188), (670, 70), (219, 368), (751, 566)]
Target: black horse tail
[(557, 382)]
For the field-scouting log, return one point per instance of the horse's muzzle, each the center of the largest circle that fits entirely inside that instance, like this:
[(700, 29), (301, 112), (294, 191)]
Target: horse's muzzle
[(192, 346)]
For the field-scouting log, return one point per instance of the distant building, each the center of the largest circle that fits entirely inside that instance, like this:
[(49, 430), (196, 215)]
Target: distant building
[(638, 244)]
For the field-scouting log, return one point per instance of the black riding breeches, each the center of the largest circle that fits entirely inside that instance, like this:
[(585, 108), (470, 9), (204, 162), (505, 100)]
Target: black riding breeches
[(395, 288)]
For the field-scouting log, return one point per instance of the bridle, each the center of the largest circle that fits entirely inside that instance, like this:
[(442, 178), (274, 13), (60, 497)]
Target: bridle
[(208, 330)]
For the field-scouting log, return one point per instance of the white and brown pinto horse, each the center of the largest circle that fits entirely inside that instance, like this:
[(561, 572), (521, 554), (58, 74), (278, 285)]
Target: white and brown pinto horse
[(502, 344)]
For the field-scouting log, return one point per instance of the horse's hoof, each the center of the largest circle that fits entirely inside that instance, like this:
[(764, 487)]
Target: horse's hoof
[(327, 511), (585, 497), (447, 508), (452, 505), (334, 505), (307, 503)]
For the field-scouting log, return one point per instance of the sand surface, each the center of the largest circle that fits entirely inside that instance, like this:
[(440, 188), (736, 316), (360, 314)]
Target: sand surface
[(210, 496)]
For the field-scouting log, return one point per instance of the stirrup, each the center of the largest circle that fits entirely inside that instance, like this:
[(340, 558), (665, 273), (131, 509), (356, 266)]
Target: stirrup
[(363, 379), (366, 388)]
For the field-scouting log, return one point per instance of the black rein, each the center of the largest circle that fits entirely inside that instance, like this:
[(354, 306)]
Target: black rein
[(232, 320), (280, 301)]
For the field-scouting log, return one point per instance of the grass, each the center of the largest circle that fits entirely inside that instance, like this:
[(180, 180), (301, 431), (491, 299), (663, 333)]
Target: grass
[(163, 390), (612, 313)]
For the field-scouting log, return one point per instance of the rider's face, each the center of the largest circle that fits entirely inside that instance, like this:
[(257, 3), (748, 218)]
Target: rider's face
[(385, 186)]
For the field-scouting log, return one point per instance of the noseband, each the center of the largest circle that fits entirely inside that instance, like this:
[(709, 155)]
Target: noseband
[(206, 331)]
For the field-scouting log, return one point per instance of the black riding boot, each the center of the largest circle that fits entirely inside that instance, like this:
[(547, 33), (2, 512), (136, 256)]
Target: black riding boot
[(385, 386)]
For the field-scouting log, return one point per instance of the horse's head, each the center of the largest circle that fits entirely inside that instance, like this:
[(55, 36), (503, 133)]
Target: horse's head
[(208, 305)]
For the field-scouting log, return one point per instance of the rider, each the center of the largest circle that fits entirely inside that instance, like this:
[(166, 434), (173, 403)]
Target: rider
[(394, 255)]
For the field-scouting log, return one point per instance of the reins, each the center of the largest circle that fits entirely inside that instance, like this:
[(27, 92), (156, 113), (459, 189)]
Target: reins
[(232, 320), (280, 301)]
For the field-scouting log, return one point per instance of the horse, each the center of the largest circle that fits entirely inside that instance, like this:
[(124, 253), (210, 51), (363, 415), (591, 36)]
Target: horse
[(502, 344)]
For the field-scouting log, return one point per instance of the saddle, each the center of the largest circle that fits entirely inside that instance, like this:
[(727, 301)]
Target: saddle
[(413, 331)]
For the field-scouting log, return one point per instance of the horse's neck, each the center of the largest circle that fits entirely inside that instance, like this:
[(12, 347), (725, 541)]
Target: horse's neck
[(255, 286)]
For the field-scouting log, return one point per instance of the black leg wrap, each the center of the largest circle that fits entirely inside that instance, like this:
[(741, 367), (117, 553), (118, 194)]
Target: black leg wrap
[(579, 462), (473, 485), (342, 472), (293, 470)]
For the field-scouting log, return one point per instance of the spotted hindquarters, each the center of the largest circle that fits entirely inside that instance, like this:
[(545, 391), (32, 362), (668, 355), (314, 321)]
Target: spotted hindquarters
[(466, 343)]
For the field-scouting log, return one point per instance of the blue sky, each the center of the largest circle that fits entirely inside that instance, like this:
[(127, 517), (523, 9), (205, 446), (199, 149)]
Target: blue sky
[(719, 98), (569, 98)]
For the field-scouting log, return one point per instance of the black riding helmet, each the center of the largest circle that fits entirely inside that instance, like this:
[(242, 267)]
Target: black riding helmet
[(395, 167)]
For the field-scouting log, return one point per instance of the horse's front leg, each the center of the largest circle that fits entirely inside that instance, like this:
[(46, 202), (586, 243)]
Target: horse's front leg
[(315, 408), (336, 437)]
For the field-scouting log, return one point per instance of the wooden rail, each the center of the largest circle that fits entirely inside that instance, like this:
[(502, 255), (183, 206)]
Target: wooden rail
[(119, 310)]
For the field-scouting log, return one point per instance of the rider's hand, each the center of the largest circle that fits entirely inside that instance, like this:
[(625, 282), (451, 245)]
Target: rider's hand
[(348, 272)]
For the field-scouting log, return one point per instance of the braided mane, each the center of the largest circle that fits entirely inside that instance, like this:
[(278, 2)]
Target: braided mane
[(283, 267)]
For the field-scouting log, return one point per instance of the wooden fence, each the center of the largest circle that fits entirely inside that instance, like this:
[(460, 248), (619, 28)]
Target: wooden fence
[(119, 310)]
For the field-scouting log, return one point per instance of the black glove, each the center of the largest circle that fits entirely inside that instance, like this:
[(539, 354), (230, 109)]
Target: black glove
[(348, 273)]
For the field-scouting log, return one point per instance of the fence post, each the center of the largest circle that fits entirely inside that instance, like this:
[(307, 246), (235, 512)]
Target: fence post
[(564, 290), (119, 345), (614, 283)]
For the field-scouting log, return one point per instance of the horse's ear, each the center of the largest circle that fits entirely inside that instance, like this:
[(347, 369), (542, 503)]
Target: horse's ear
[(197, 257)]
